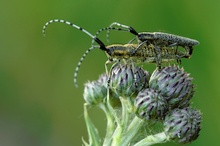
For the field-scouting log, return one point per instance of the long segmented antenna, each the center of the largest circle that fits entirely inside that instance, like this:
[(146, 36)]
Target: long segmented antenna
[(107, 28), (130, 29), (124, 28), (79, 64), (101, 44)]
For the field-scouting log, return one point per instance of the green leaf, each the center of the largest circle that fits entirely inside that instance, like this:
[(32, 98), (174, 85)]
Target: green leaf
[(94, 139)]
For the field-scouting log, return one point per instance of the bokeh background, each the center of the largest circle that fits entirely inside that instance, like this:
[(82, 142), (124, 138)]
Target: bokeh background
[(39, 104)]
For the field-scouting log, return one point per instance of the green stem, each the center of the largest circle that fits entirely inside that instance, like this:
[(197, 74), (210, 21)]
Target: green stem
[(113, 135), (110, 108), (122, 126), (125, 113), (153, 139), (94, 138), (126, 131), (110, 125), (132, 130), (116, 138)]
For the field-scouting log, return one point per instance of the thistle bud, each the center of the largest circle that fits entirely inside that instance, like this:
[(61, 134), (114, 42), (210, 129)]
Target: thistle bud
[(150, 105), (174, 84), (114, 99), (127, 80), (94, 93), (183, 125), (103, 80)]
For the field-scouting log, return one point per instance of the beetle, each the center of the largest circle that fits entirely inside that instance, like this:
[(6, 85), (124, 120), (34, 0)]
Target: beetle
[(160, 39), (129, 53)]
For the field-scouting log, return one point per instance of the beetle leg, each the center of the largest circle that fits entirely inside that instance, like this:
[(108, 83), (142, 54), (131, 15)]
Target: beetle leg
[(139, 46)]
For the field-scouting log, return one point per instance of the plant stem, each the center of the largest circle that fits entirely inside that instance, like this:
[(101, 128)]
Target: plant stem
[(110, 125), (94, 138), (153, 139), (132, 130)]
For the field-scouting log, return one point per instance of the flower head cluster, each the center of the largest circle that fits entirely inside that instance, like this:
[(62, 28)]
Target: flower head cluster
[(163, 96)]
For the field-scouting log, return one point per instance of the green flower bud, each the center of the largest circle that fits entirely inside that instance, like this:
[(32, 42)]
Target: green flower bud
[(150, 105), (183, 125), (94, 93), (174, 84), (127, 80), (114, 99), (103, 80)]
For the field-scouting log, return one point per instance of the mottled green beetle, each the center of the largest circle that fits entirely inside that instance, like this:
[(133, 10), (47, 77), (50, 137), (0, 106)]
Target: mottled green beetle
[(136, 53), (159, 39)]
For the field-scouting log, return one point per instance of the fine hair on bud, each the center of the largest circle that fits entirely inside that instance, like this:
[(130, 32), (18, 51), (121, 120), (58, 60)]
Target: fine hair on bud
[(183, 125), (94, 93), (128, 79), (150, 105), (174, 84)]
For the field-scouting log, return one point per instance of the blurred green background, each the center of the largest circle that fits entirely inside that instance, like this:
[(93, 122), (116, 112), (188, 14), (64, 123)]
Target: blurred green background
[(39, 104)]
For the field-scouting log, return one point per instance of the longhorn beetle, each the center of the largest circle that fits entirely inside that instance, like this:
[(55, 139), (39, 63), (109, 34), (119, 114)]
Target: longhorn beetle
[(156, 38), (128, 52)]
